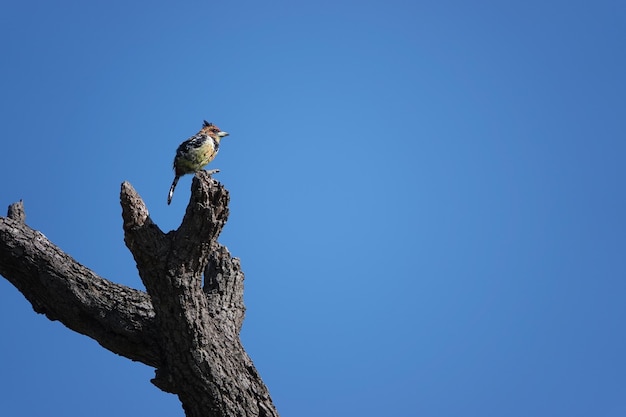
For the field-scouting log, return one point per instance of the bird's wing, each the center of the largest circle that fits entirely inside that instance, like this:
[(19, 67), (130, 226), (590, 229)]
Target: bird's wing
[(190, 144)]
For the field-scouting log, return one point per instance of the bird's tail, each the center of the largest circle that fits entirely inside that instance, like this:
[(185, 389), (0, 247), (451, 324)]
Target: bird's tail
[(171, 194)]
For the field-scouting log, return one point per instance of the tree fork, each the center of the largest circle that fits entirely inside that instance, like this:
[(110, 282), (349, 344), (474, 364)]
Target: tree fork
[(187, 330)]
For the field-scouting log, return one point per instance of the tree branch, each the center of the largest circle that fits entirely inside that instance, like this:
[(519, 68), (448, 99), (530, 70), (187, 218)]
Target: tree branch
[(204, 361), (187, 331), (121, 319)]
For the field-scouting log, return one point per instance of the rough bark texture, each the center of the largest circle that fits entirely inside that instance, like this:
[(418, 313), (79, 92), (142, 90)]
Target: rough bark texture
[(186, 330)]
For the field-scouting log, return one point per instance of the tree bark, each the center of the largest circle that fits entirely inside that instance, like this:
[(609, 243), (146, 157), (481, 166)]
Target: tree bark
[(187, 330)]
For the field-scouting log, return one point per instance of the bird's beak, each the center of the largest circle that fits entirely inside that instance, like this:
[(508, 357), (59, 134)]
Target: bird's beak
[(222, 134)]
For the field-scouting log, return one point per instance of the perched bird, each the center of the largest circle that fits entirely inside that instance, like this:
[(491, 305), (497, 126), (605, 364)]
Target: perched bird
[(194, 153)]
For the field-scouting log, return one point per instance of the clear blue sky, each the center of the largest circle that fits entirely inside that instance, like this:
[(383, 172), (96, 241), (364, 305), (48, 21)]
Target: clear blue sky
[(427, 196)]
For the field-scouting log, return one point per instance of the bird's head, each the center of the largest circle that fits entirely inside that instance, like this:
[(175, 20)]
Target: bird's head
[(213, 131)]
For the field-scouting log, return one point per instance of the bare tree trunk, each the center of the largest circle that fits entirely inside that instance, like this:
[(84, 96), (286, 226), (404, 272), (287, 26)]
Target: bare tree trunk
[(186, 330)]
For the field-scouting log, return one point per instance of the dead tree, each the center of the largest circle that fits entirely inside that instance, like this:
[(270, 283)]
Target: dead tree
[(188, 331)]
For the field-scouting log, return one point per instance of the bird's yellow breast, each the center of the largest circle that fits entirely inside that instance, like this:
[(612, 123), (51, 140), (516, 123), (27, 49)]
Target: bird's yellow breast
[(196, 158)]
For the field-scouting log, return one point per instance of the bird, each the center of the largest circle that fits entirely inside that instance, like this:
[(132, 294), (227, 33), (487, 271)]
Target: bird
[(196, 152)]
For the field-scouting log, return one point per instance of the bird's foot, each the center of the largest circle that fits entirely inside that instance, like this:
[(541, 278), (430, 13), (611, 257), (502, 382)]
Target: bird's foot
[(212, 171)]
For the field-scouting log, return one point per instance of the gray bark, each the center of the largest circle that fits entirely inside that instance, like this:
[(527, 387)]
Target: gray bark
[(187, 330)]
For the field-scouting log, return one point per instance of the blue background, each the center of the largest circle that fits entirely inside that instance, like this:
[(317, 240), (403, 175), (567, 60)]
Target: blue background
[(427, 196)]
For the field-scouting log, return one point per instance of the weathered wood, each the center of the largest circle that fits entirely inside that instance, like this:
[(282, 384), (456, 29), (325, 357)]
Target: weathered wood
[(188, 330), (16, 212)]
